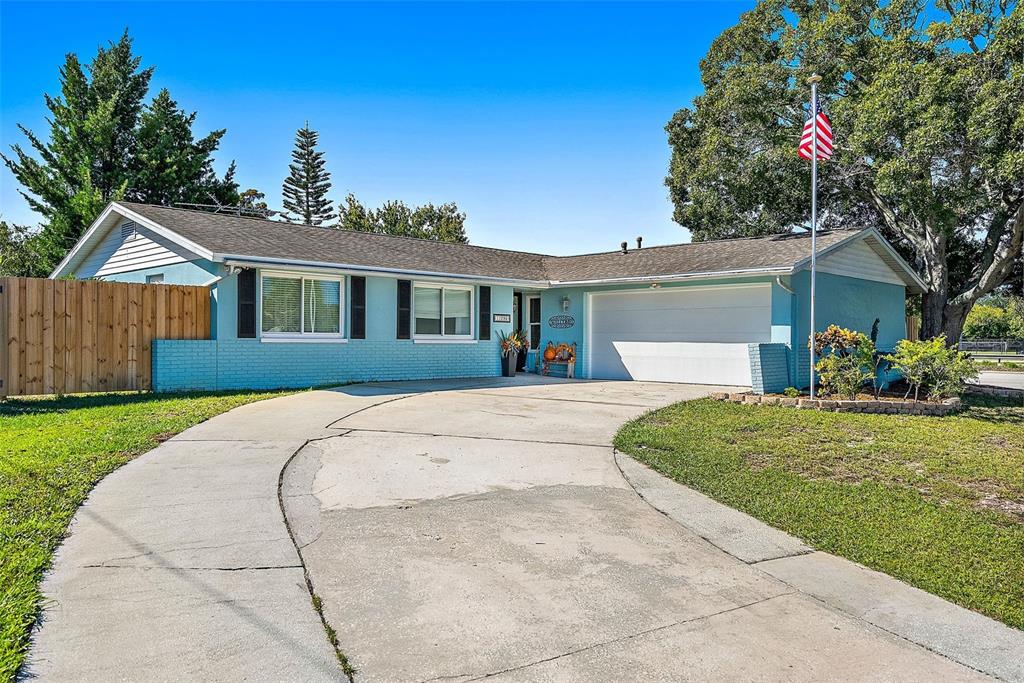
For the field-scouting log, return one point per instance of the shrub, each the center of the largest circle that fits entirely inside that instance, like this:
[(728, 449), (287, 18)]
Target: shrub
[(848, 361), (791, 392), (931, 365)]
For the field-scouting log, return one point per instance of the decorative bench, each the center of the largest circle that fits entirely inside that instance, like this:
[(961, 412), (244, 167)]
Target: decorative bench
[(561, 354)]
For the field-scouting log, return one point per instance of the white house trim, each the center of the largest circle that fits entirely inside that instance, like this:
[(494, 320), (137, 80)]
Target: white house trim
[(97, 231), (878, 243)]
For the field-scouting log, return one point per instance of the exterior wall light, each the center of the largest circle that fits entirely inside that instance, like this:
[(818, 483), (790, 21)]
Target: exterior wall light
[(565, 303)]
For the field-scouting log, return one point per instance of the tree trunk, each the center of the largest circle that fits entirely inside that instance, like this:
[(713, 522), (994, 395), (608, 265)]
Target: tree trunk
[(933, 309), (953, 323)]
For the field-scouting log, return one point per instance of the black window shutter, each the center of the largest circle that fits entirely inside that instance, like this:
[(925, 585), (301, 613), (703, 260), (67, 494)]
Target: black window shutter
[(404, 308), (358, 306), (247, 304), (485, 313)]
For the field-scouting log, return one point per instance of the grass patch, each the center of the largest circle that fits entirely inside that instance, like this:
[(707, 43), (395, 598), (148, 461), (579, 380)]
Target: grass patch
[(53, 450), (1004, 366), (935, 501)]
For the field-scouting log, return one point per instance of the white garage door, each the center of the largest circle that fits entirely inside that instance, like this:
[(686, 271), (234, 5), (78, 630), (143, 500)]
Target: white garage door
[(697, 335)]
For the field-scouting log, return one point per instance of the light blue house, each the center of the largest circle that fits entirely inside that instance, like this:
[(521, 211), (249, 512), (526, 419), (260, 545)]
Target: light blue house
[(299, 306)]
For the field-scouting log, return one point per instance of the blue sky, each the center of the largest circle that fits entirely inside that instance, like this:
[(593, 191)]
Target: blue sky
[(544, 122)]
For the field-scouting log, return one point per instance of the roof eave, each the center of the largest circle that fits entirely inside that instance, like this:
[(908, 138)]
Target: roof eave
[(707, 275), (350, 268), (912, 280), (92, 234)]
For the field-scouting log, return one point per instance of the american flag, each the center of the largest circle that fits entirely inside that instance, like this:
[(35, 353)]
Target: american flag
[(824, 137)]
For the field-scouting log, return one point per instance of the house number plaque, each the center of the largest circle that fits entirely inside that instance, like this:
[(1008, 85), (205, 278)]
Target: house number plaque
[(502, 317), (561, 322)]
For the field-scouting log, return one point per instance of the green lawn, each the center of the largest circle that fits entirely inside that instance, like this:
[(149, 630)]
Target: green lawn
[(1005, 366), (52, 452), (936, 502)]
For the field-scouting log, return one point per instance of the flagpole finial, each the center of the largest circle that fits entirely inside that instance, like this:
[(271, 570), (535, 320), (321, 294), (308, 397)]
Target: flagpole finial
[(815, 78)]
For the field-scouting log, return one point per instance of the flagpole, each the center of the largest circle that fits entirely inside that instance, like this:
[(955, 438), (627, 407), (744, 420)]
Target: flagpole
[(813, 80)]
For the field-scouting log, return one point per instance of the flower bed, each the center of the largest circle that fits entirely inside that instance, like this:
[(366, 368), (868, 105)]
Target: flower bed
[(880, 406)]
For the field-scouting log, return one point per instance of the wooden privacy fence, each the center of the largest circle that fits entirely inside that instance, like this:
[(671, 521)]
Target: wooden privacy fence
[(71, 336), (913, 327)]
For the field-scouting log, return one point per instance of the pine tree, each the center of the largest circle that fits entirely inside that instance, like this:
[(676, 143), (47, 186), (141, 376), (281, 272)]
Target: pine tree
[(105, 145), (305, 188), (171, 166), (92, 134)]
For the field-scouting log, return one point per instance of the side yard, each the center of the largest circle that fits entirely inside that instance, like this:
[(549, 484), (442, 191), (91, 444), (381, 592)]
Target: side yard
[(936, 502), (52, 452)]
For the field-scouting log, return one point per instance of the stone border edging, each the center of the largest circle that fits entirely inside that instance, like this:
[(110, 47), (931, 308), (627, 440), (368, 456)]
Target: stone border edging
[(990, 390), (946, 407)]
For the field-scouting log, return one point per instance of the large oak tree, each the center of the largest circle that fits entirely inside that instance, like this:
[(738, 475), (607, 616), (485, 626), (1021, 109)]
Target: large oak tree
[(927, 107)]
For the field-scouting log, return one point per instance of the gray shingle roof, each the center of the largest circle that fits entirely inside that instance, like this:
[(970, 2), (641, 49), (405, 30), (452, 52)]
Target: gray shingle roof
[(721, 256), (224, 234)]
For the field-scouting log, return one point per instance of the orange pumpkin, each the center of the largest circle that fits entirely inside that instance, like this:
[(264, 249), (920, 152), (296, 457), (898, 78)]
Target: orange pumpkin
[(550, 352)]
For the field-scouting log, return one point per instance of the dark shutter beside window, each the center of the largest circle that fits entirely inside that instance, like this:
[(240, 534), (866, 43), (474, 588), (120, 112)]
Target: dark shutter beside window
[(404, 308), (247, 304), (485, 313), (358, 306)]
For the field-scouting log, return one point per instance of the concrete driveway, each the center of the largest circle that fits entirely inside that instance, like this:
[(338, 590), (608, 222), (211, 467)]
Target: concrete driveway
[(456, 530), (487, 532)]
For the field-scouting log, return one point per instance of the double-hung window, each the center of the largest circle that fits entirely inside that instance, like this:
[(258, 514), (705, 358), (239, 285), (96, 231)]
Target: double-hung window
[(301, 306), (442, 311)]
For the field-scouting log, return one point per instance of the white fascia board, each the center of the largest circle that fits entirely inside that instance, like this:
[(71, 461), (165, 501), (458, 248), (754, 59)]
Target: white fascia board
[(85, 240), (197, 249), (93, 235), (350, 269), (710, 275), (911, 277)]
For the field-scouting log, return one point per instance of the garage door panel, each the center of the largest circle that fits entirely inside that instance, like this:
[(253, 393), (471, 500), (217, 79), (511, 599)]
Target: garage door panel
[(685, 335), (676, 362)]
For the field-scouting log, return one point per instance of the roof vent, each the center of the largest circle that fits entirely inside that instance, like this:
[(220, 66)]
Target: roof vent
[(625, 247), (128, 230), (639, 241)]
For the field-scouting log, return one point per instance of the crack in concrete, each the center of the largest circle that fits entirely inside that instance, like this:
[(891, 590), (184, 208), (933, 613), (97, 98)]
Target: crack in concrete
[(165, 551), (148, 567), (605, 643)]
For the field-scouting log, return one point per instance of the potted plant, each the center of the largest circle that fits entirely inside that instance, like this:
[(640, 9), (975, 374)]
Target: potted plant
[(511, 344)]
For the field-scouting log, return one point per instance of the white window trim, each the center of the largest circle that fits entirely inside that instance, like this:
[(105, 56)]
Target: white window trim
[(302, 336), (444, 338), (539, 322)]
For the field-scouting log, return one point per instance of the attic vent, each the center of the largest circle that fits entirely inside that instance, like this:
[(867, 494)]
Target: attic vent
[(128, 230)]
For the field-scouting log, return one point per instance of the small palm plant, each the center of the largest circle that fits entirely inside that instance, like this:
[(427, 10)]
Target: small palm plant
[(513, 342)]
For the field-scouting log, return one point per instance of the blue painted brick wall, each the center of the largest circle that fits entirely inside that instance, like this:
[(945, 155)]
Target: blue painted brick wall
[(769, 367), (181, 364)]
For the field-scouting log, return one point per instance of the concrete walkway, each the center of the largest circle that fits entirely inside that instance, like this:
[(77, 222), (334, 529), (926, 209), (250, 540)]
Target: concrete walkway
[(455, 530)]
